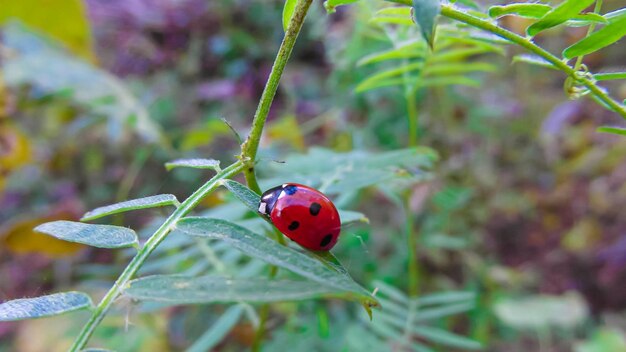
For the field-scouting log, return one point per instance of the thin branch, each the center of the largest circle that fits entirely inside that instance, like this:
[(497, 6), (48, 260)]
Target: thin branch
[(250, 147), (151, 244), (584, 80)]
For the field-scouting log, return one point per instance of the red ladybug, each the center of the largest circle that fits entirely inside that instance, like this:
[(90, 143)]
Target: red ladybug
[(303, 214)]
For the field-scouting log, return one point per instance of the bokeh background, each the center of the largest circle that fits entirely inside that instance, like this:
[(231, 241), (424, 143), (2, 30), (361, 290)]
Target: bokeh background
[(525, 206)]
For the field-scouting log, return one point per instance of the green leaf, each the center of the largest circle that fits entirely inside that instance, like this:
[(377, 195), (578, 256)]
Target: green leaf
[(445, 338), (446, 298), (425, 13), (334, 172), (444, 69), (330, 5), (469, 3), (263, 248), (565, 11), (606, 36), (402, 21), (381, 76), (542, 311), (288, 8), (348, 216), (613, 130), (522, 10), (244, 194), (194, 163), (615, 15), (401, 11), (537, 11), (602, 340), (44, 306), (216, 333), (407, 51), (160, 200), (177, 289), (533, 60), (608, 76), (426, 314), (101, 236)]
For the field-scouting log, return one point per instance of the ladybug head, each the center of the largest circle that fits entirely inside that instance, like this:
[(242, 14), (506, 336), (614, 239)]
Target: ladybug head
[(268, 199)]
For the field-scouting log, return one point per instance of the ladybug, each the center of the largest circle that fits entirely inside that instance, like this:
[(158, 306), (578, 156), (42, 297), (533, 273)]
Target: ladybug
[(303, 214)]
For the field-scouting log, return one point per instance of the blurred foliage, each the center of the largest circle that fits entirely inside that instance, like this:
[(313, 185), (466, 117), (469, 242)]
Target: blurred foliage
[(524, 210)]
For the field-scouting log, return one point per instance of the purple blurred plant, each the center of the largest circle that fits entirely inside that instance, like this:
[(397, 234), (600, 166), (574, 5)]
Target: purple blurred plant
[(136, 36)]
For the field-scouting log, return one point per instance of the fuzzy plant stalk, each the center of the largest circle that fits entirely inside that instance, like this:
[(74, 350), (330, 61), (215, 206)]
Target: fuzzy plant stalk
[(573, 73), (244, 164), (250, 147)]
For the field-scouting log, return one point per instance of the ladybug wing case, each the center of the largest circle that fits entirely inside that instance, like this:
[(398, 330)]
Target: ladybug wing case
[(303, 214)]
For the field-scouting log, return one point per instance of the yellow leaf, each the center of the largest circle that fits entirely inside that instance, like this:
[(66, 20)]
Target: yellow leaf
[(15, 150), (20, 238), (63, 20), (202, 136), (288, 131)]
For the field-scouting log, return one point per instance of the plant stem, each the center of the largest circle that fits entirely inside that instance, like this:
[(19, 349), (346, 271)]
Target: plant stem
[(159, 235), (412, 116), (413, 264), (592, 26), (250, 147), (451, 12)]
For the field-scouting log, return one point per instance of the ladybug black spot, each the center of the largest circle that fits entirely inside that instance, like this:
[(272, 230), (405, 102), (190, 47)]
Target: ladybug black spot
[(293, 226), (290, 190), (315, 208), (326, 240)]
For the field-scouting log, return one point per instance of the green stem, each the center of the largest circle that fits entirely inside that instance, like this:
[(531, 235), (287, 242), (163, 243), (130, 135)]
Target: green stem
[(412, 115), (450, 12), (412, 247), (250, 147), (151, 244), (592, 26)]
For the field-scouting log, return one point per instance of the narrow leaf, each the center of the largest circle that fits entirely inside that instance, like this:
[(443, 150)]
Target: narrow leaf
[(408, 51), (160, 200), (613, 130), (441, 312), (539, 10), (615, 15), (608, 76), (330, 5), (425, 13), (394, 11), (101, 236), (216, 333), (290, 6), (606, 36), (521, 10), (177, 289), (402, 21), (44, 306), (444, 69), (446, 298), (244, 194), (446, 338), (382, 76), (565, 11), (265, 249), (194, 163), (348, 216)]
